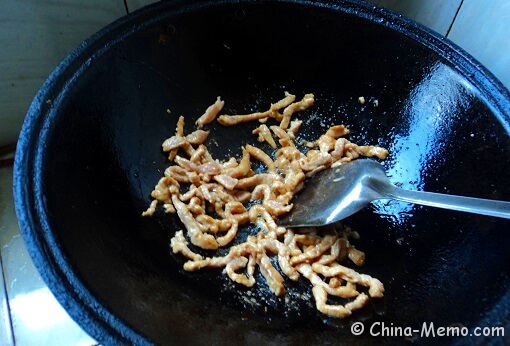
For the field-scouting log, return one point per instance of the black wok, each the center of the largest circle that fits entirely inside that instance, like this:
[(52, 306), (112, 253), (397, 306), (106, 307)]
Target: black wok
[(89, 155)]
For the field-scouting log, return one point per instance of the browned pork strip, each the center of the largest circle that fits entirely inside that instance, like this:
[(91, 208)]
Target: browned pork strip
[(211, 112), (197, 137), (262, 157), (265, 135), (376, 288), (198, 238), (231, 120), (216, 206), (307, 101), (179, 245)]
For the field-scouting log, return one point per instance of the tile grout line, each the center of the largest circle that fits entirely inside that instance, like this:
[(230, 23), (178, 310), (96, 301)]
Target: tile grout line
[(454, 18), (9, 328), (10, 336)]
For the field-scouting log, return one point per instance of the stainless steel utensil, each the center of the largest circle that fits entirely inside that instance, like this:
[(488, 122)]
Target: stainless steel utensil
[(339, 192)]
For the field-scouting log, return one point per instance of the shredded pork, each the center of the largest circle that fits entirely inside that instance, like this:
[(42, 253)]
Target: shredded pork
[(211, 112), (213, 205)]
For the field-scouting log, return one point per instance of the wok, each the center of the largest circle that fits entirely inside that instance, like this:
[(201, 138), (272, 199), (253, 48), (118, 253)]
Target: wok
[(89, 155)]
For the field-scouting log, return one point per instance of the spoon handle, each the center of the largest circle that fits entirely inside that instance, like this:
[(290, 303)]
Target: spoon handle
[(467, 204)]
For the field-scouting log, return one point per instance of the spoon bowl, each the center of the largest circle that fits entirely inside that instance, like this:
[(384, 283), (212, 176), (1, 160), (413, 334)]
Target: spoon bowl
[(337, 193)]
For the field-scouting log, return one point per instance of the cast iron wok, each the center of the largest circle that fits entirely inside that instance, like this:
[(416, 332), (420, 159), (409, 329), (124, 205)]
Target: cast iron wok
[(89, 155)]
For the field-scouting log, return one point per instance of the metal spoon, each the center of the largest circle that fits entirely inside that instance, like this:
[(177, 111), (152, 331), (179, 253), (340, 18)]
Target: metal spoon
[(339, 192)]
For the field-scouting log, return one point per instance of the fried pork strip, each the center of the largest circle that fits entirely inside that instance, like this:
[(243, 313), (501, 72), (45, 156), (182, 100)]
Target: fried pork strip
[(376, 288), (179, 245), (258, 154), (273, 112), (210, 113), (307, 101), (179, 133), (195, 230), (224, 188), (265, 135)]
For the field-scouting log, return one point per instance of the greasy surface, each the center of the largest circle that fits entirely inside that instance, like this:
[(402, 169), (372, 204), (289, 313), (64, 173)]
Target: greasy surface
[(82, 155), (335, 194)]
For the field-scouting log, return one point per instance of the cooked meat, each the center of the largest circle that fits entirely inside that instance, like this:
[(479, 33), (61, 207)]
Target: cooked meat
[(260, 216), (213, 225), (321, 290), (338, 151), (179, 132), (276, 247), (197, 137), (307, 101), (226, 180), (334, 282), (316, 161), (320, 296), (258, 179), (198, 238), (213, 201), (370, 151), (214, 262), (287, 100), (173, 142), (294, 128), (326, 143), (258, 154), (180, 245), (338, 252), (211, 112), (227, 238), (347, 291), (376, 288), (152, 208), (276, 208), (315, 251), (265, 135), (273, 277), (357, 303), (177, 173), (242, 169), (284, 138), (356, 256), (236, 264), (230, 120), (161, 193), (201, 155), (187, 165), (337, 131)]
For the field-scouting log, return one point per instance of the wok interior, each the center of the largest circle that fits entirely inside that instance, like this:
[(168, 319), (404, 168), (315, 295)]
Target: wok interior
[(103, 157)]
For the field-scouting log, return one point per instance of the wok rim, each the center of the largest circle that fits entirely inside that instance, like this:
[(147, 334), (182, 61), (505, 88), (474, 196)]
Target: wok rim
[(30, 208)]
